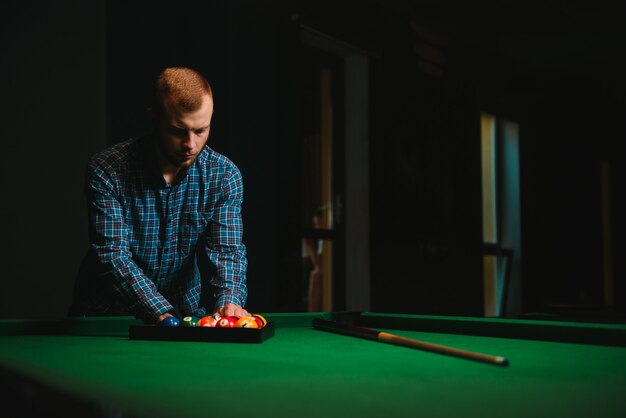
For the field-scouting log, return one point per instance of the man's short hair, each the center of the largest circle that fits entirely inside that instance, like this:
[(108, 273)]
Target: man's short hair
[(182, 87)]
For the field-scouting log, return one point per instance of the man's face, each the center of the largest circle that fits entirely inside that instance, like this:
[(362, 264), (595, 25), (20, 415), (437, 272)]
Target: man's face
[(183, 135)]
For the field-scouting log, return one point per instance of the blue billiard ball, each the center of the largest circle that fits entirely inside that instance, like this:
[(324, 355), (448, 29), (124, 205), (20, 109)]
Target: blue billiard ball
[(170, 321)]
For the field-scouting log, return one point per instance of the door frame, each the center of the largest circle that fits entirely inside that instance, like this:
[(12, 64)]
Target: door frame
[(354, 201)]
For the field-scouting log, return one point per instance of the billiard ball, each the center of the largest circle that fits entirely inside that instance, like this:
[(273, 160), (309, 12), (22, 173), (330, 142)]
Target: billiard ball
[(207, 321), (190, 321), (170, 321), (246, 322), (227, 322), (258, 321), (261, 318)]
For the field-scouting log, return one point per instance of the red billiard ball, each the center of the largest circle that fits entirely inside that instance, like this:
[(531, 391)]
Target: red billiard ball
[(227, 322), (246, 322), (261, 318), (207, 321), (259, 322)]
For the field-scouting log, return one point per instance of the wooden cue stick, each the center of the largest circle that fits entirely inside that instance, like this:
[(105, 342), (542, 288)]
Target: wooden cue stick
[(370, 334)]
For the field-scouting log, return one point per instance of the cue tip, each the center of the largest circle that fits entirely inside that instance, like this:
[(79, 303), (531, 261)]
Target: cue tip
[(501, 361)]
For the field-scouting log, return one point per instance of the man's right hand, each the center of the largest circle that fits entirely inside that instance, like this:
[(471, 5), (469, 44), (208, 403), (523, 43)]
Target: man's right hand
[(162, 317)]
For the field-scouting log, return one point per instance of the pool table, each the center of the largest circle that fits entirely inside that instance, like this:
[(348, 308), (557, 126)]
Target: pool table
[(90, 367)]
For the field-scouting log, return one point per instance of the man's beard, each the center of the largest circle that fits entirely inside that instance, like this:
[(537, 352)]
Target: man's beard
[(186, 163), (171, 158)]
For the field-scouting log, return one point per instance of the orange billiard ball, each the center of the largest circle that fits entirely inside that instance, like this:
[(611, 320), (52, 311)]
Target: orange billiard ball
[(246, 322), (207, 321)]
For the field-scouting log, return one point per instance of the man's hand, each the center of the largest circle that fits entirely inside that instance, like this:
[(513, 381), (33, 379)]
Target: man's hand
[(162, 317), (231, 310)]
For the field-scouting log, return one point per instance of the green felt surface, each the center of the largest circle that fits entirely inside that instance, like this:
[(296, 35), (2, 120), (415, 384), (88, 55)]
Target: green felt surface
[(304, 372)]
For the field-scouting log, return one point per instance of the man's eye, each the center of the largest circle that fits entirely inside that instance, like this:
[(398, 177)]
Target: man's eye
[(200, 131), (176, 131)]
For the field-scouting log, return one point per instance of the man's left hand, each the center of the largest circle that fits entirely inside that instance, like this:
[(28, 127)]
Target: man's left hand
[(232, 310)]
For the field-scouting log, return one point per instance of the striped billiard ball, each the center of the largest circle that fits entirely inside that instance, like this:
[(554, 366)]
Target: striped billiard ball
[(207, 321), (227, 322), (260, 319), (190, 321)]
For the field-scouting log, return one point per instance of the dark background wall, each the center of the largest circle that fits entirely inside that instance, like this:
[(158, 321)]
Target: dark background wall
[(52, 75), (71, 70)]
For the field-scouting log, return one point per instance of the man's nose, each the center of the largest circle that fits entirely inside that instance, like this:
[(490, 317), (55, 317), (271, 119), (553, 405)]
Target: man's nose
[(190, 139)]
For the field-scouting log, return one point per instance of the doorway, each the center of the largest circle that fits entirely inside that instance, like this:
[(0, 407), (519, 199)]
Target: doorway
[(322, 144), (335, 173)]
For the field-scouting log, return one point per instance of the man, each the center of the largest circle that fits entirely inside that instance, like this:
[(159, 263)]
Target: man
[(165, 216)]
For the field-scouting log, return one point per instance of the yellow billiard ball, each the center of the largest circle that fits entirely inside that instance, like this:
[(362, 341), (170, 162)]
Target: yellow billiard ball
[(246, 322)]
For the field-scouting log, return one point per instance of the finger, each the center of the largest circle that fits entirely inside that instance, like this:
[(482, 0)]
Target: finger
[(162, 317)]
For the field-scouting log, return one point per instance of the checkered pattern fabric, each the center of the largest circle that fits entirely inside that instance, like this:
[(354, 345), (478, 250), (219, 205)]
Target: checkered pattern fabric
[(147, 237)]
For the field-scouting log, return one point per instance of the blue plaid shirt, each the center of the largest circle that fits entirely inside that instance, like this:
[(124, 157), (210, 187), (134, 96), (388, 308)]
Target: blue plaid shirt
[(152, 245)]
